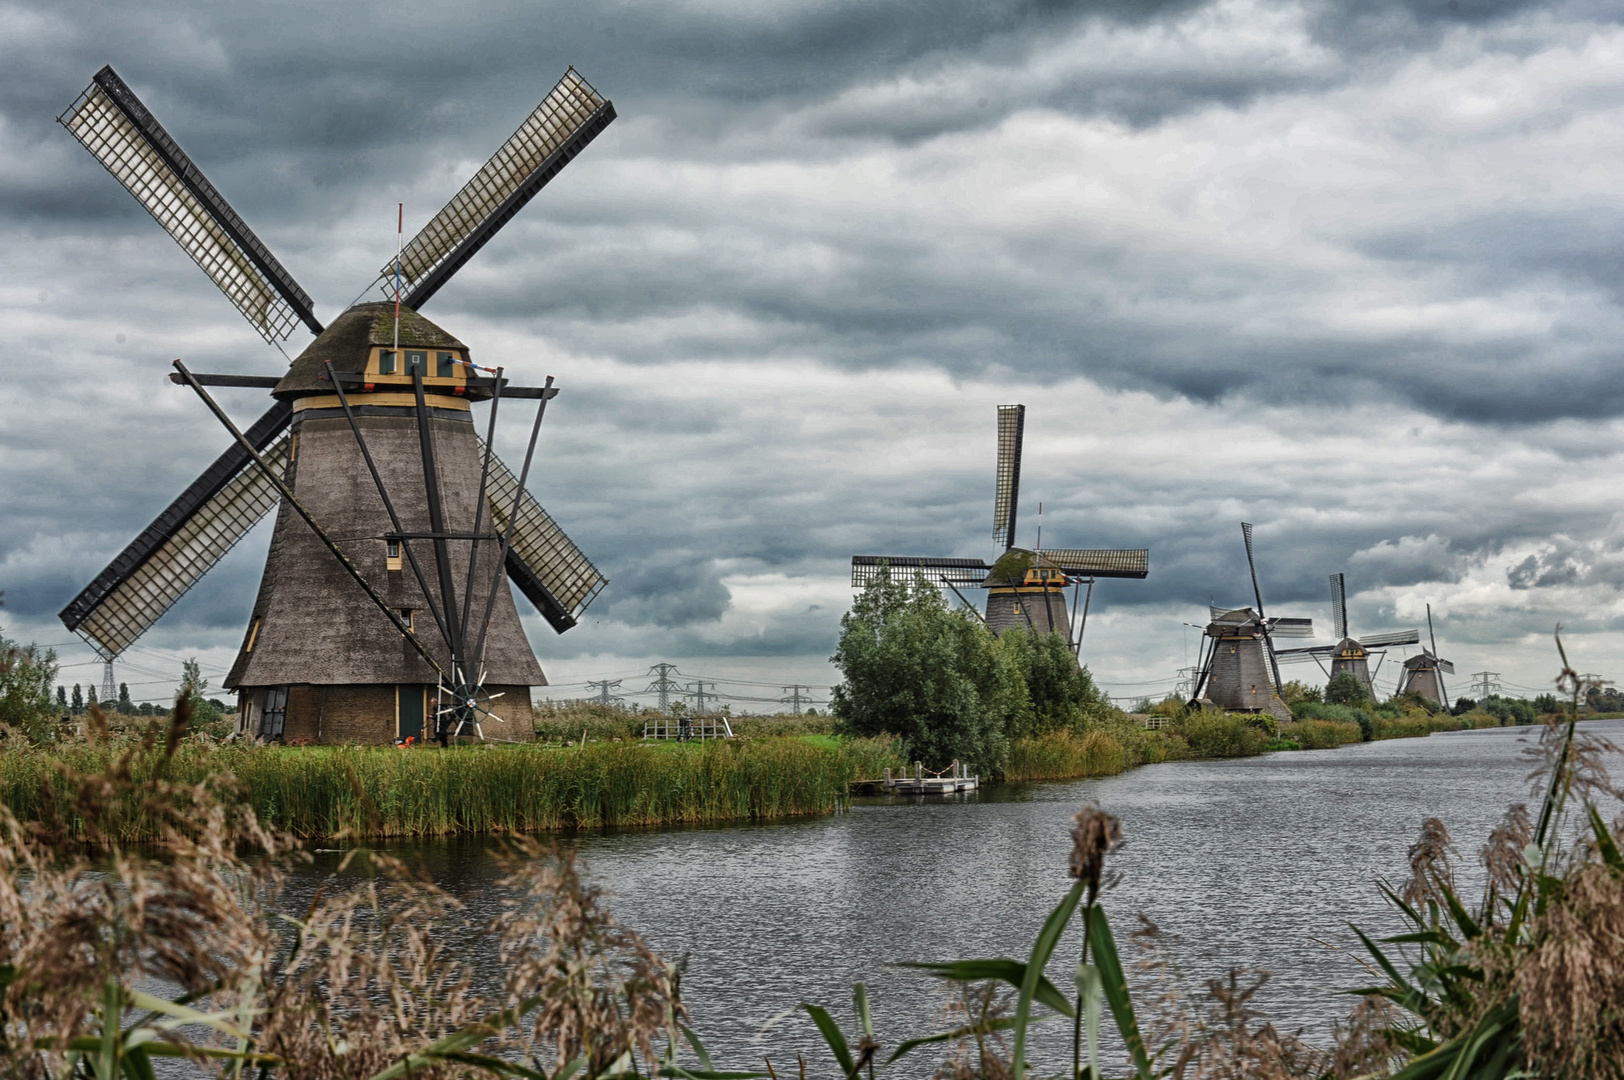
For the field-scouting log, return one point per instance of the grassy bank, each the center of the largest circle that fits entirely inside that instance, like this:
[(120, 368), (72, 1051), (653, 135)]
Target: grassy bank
[(1117, 747), (383, 792)]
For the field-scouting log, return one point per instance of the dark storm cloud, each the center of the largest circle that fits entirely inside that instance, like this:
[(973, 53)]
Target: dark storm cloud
[(1353, 260)]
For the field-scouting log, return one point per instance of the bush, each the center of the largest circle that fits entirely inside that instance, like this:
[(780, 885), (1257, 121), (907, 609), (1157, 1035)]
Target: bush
[(1346, 689), (1321, 734), (1223, 735)]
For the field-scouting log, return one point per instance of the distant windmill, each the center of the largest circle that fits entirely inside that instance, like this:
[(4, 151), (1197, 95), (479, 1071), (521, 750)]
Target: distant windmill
[(1424, 673), (1025, 588), (1239, 672), (384, 609), (1348, 654)]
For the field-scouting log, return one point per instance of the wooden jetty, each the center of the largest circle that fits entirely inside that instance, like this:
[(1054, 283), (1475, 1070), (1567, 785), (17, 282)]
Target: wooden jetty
[(952, 779)]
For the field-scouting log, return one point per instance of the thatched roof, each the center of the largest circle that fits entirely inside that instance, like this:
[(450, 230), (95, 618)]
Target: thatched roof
[(349, 340)]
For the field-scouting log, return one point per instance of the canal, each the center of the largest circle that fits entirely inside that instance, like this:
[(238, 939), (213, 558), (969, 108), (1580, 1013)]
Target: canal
[(1258, 863)]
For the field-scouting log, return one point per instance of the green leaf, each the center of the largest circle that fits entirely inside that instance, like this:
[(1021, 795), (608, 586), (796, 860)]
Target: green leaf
[(1042, 949), (1468, 925), (1091, 991), (106, 1061), (859, 1000), (832, 1035), (1003, 1023), (1605, 844), (999, 969), (137, 1066), (699, 1048), (1115, 985), (181, 1015)]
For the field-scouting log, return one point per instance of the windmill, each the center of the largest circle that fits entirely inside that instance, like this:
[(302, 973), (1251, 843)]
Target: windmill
[(1424, 673), (1349, 654), (383, 611), (1025, 588), (1240, 672)]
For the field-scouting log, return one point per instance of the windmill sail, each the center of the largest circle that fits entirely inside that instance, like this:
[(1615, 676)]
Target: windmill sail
[(1011, 428), (181, 545), (1100, 562), (1339, 605), (567, 119), (113, 124), (544, 563), (866, 569), (1392, 637)]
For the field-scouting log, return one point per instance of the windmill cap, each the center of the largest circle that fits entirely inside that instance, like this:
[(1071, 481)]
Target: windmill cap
[(1012, 565), (349, 340)]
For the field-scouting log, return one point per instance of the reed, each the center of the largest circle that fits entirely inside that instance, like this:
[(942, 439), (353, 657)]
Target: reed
[(1063, 755), (383, 792), (1320, 734)]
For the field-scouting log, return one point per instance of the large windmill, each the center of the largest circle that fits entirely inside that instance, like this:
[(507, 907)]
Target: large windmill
[(1349, 654), (1424, 673), (385, 588), (1025, 588), (1239, 671)]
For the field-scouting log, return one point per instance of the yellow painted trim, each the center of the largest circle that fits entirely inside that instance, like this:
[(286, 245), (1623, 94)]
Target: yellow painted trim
[(330, 401), (253, 636)]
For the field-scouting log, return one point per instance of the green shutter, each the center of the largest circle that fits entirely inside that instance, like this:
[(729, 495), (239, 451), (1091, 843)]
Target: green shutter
[(446, 366), (386, 362)]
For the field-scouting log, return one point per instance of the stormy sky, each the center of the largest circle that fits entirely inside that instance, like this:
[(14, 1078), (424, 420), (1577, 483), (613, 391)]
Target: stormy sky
[(1349, 271)]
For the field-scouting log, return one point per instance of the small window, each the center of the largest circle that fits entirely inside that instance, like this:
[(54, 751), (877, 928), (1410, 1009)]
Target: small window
[(386, 362), (446, 365), (293, 448), (417, 363), (392, 554), (273, 714), (406, 617)]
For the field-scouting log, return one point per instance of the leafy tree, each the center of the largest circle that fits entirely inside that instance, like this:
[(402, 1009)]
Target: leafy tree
[(1296, 691), (62, 697), (936, 678), (1059, 694), (26, 676), (1463, 706), (92, 703), (1545, 703), (124, 704), (1345, 689), (192, 687), (78, 700)]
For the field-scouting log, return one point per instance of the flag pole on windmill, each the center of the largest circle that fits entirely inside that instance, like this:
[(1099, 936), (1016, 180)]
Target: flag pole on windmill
[(400, 222)]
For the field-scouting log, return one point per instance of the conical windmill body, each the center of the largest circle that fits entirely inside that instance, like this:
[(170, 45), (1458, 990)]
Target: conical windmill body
[(1025, 589), (1424, 673), (1239, 672), (1349, 654), (384, 609)]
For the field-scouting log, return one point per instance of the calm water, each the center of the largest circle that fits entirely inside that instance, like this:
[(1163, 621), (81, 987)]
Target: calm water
[(1260, 863)]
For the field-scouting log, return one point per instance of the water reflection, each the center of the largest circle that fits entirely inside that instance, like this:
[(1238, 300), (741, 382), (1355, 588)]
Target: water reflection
[(1260, 863)]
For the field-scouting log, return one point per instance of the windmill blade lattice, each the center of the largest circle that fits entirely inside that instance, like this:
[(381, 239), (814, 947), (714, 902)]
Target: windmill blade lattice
[(1011, 430), (567, 119), (1100, 562), (544, 563), (113, 124), (1339, 606), (1392, 637), (965, 573), (182, 544)]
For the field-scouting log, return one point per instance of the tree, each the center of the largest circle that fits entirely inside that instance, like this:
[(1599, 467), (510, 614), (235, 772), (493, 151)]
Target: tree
[(1296, 691), (1345, 689), (26, 676), (1060, 694), (1545, 703), (78, 700), (62, 697), (124, 704), (935, 678), (92, 703), (192, 688)]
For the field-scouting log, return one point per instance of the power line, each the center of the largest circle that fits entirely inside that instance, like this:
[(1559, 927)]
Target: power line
[(794, 698), (603, 687), (664, 684)]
